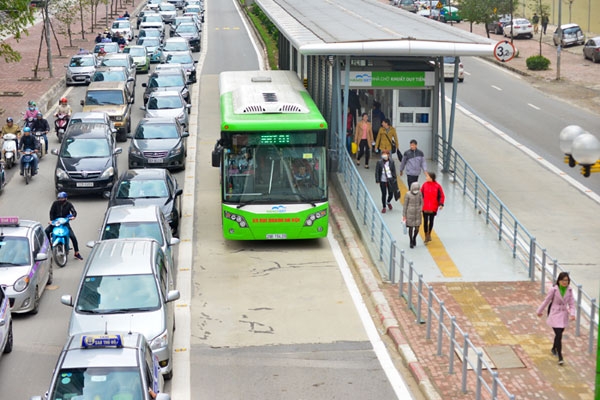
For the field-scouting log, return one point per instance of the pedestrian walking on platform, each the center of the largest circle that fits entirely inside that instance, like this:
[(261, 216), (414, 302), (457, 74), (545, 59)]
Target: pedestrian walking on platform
[(433, 201), (535, 20), (561, 308), (545, 21), (385, 175), (414, 162), (411, 213), (387, 138), (364, 138)]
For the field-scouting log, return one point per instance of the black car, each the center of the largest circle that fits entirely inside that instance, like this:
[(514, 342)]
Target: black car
[(190, 32), (87, 160), (150, 186), (498, 23), (172, 78), (158, 143), (186, 62)]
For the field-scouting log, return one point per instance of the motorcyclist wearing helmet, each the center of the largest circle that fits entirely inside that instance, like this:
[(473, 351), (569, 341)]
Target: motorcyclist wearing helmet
[(61, 208), (11, 127), (32, 110), (28, 141), (98, 38), (41, 125), (64, 108)]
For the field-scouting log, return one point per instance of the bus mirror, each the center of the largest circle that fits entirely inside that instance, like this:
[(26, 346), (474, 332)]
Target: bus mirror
[(216, 157)]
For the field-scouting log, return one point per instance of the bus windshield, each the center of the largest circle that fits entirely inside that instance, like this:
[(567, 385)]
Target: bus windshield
[(275, 168)]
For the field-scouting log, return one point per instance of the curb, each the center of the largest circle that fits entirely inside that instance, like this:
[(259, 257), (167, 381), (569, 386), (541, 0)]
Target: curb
[(386, 316)]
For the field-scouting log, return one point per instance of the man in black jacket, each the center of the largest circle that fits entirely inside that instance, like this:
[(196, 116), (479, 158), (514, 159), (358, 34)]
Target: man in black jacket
[(62, 208), (41, 125)]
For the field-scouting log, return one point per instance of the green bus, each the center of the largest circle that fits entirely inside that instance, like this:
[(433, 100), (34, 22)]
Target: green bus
[(272, 156)]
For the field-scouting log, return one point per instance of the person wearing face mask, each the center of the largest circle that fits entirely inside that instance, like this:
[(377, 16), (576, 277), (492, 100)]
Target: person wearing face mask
[(385, 175), (411, 213)]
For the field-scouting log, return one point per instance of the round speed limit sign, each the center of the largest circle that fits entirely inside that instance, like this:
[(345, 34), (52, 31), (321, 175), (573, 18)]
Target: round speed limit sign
[(504, 51)]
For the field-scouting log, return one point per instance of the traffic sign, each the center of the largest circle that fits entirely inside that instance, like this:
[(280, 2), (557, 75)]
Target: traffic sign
[(504, 51), (439, 5)]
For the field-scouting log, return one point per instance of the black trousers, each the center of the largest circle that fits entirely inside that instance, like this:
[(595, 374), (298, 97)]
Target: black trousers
[(558, 332), (428, 221), (48, 231), (385, 190), (364, 148), (410, 179)]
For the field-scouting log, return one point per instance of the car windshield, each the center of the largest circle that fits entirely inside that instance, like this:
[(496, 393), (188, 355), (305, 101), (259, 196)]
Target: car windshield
[(520, 22), (149, 42), (164, 102), (92, 383), (180, 20), (112, 294), (85, 148), (150, 33), (104, 97), (193, 9), (167, 80), (142, 189), (82, 62), (166, 7), (115, 62), (121, 25), (157, 131), (135, 51), (14, 251), (571, 31), (152, 18), (128, 230), (183, 58), (109, 76), (176, 46), (449, 60), (186, 28), (108, 47)]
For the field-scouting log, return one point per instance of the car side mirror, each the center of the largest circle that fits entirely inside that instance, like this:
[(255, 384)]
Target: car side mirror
[(163, 396), (185, 134), (91, 244), (81, 102), (178, 192), (174, 241), (144, 84), (41, 257), (130, 79), (143, 108), (171, 296), (118, 150), (67, 300), (54, 151)]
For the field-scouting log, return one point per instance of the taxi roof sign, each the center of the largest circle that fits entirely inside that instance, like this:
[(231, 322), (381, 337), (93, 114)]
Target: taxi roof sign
[(9, 221), (101, 341)]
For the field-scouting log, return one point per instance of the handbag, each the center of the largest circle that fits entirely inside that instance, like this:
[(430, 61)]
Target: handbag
[(393, 187), (396, 150), (354, 147)]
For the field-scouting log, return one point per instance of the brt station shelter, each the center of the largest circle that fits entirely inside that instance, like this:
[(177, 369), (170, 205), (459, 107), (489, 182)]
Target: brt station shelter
[(356, 53)]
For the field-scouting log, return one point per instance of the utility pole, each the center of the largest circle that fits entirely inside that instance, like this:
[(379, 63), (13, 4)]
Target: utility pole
[(559, 47)]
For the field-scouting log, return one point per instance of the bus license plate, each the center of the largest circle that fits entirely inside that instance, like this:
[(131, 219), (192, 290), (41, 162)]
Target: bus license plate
[(85, 184), (156, 160), (277, 236)]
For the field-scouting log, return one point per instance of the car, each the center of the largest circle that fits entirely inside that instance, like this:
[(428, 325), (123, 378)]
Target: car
[(119, 365), (520, 27), (167, 11), (25, 265), (153, 4), (192, 8), (98, 117), (498, 23), (152, 45), (169, 104), (132, 188), (151, 32), (449, 68), (120, 60), (172, 78), (188, 64), (591, 49), (450, 14), (116, 74), (568, 35), (6, 329), (126, 286), (193, 18), (109, 47), (140, 57), (408, 5), (177, 3), (144, 12), (114, 99), (123, 28), (152, 21), (87, 160), (140, 221), (190, 32), (174, 44), (80, 69), (158, 143)]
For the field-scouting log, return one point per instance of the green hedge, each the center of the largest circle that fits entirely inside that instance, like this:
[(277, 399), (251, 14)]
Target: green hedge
[(537, 63)]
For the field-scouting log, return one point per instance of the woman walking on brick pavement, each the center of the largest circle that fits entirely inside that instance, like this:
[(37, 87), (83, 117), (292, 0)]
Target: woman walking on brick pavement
[(433, 201), (561, 308), (411, 213)]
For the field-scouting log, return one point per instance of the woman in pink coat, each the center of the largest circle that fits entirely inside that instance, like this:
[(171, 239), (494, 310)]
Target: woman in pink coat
[(561, 308)]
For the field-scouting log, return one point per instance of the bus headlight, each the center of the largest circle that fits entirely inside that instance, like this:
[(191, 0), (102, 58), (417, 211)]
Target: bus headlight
[(241, 221), (310, 219)]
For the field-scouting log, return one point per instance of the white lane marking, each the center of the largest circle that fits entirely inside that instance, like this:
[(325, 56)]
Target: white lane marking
[(261, 65), (545, 163), (394, 377), (497, 88), (534, 107)]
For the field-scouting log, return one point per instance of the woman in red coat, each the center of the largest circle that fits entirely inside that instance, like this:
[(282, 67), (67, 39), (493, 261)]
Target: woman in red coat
[(562, 308), (433, 201)]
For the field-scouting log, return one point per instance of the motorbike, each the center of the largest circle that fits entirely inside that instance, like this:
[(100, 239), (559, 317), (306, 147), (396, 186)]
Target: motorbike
[(27, 161), (60, 125), (39, 135), (9, 149), (59, 239)]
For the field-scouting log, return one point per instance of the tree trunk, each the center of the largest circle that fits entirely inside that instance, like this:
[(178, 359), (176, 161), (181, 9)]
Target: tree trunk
[(48, 41), (81, 17), (55, 38)]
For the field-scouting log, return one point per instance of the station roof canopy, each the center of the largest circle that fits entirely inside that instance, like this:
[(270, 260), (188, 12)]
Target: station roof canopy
[(368, 28)]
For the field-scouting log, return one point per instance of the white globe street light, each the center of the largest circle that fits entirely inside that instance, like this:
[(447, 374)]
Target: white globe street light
[(566, 137)]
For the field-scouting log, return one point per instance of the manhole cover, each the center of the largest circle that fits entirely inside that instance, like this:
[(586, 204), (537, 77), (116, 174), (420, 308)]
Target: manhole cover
[(504, 357)]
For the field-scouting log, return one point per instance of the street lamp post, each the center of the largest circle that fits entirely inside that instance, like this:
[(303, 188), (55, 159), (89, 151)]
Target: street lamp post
[(558, 48)]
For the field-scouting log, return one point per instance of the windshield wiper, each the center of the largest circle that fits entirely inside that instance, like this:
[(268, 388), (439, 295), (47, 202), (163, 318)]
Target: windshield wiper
[(10, 263), (90, 311)]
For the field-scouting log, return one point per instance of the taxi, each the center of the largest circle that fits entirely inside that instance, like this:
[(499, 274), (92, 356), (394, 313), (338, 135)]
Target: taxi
[(25, 268), (6, 332), (106, 366)]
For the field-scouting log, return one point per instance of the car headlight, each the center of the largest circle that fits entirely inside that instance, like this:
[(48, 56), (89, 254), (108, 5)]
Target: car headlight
[(118, 118), (160, 341), (108, 172), (185, 92), (61, 174), (181, 116), (21, 283), (135, 151), (177, 150)]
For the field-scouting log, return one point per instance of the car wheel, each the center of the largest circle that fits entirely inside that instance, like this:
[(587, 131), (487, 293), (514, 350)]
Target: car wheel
[(461, 80), (594, 58), (9, 340), (36, 302), (169, 376)]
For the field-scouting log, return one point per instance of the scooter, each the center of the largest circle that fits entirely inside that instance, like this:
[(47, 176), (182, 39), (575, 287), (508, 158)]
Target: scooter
[(9, 149), (27, 161), (60, 240), (39, 135), (60, 125)]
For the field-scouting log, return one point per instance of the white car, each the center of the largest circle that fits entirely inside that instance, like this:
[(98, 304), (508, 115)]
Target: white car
[(449, 68), (122, 27), (521, 27), (167, 11)]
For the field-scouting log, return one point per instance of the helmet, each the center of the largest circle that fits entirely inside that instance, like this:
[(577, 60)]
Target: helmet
[(27, 129), (31, 103), (64, 100), (9, 119), (39, 115), (61, 195)]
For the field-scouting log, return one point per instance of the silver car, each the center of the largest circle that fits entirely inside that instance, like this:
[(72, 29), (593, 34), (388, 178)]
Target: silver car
[(6, 331), (168, 104), (120, 60), (167, 11), (80, 69), (96, 117), (25, 268), (126, 286)]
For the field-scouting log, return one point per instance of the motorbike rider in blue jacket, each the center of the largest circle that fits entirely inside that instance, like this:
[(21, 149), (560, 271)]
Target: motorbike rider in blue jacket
[(28, 141), (61, 208)]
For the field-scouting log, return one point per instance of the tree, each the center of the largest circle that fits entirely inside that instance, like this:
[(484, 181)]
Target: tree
[(485, 11), (15, 17), (63, 12)]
